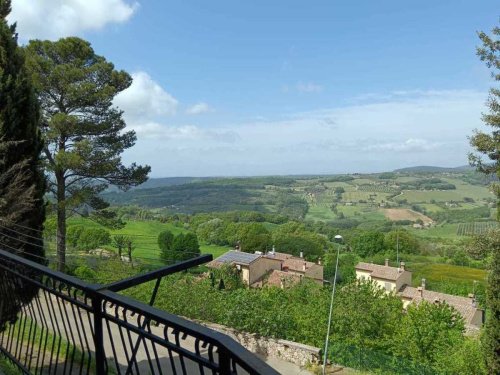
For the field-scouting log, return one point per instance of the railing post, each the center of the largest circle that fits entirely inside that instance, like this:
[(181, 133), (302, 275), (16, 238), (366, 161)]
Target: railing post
[(224, 361), (100, 356)]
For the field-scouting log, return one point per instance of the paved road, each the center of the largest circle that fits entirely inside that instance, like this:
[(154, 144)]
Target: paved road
[(119, 343)]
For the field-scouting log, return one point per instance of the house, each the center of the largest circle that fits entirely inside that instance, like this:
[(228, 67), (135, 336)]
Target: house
[(253, 267), (271, 268), (398, 280), (282, 279), (298, 265), (466, 306), (389, 278)]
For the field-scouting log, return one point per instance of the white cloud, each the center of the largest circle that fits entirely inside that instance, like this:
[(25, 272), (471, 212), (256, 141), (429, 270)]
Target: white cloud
[(53, 19), (409, 145), (145, 99), (309, 87), (185, 133), (404, 129), (198, 109)]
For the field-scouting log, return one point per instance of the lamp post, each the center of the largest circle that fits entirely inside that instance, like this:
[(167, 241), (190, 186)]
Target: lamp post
[(338, 240)]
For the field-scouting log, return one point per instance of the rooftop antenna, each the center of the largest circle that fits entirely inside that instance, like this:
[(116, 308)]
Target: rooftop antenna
[(338, 239)]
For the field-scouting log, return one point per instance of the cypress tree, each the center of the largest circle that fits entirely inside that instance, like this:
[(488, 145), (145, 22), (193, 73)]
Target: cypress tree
[(22, 183), (488, 144)]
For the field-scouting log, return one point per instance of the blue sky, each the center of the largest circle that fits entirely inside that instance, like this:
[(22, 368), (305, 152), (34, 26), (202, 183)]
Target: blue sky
[(286, 87)]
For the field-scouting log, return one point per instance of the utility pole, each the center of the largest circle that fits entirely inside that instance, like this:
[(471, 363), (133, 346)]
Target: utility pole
[(338, 239), (397, 248)]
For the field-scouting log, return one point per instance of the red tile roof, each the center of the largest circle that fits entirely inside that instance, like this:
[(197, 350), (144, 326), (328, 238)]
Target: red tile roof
[(463, 305)]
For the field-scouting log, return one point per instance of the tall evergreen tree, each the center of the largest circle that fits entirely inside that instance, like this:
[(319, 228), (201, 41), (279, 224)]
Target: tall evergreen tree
[(83, 132), (22, 183), (489, 144)]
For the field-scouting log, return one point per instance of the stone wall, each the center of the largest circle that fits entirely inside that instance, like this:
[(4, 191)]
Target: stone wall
[(289, 351)]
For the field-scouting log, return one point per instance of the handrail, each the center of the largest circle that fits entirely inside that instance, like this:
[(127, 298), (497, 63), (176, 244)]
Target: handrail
[(64, 312)]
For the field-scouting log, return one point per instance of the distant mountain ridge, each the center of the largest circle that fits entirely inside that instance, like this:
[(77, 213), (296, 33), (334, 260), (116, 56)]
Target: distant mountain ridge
[(430, 169), (153, 183)]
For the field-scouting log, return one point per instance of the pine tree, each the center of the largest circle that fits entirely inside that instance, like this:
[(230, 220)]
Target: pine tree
[(22, 183), (84, 132)]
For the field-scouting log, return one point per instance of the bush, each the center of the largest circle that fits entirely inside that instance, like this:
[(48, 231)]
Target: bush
[(92, 238), (85, 273)]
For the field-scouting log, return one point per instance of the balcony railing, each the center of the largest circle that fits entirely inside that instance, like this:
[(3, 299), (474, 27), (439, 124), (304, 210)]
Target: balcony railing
[(52, 323)]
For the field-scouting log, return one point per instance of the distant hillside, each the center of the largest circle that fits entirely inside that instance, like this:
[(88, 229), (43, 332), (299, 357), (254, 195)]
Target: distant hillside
[(433, 169), (170, 181)]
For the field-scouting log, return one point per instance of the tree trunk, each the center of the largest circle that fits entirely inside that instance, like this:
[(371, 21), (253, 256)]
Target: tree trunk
[(61, 222)]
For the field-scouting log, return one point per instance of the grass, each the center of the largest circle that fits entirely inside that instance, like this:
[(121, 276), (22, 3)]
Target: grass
[(439, 273), (448, 231), (145, 234), (7, 368)]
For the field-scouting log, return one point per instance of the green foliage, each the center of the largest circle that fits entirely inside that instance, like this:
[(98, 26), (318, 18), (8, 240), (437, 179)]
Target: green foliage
[(184, 247), (82, 129), (86, 273), (22, 184), (387, 176), (492, 331), (402, 239), (293, 238), (120, 242), (251, 236), (426, 329), (460, 215), (463, 357), (368, 243), (489, 145), (73, 235), (433, 183), (213, 231), (482, 246), (92, 238), (165, 240)]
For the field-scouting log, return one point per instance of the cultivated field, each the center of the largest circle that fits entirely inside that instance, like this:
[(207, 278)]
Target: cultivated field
[(396, 214), (475, 228)]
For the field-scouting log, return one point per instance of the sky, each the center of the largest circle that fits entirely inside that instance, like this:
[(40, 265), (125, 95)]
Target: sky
[(260, 87)]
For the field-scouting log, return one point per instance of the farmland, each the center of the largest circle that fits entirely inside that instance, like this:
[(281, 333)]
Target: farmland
[(475, 228)]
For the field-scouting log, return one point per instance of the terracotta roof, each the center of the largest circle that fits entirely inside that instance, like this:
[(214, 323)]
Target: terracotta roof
[(297, 264), (277, 255), (277, 277), (381, 272), (462, 304)]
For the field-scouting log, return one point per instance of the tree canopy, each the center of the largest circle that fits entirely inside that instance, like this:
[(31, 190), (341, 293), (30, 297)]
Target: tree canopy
[(84, 133), (22, 184), (488, 144)]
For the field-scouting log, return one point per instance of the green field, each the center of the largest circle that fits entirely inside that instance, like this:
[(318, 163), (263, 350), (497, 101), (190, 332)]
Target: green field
[(446, 231), (145, 234), (446, 273)]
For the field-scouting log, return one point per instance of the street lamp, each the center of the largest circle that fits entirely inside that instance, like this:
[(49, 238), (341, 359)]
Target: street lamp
[(338, 240)]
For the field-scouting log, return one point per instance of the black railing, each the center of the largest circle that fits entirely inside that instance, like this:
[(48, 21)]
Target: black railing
[(71, 327)]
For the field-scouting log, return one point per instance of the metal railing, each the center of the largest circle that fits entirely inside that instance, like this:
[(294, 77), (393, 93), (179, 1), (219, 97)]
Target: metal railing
[(52, 323)]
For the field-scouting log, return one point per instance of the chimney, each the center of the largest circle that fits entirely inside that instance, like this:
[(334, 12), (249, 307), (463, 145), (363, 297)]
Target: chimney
[(304, 267), (301, 254), (420, 292), (402, 266), (273, 250), (472, 297), (387, 262), (423, 284), (319, 261)]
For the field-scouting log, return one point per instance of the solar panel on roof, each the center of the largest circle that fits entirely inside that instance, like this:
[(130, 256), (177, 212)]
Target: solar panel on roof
[(237, 257)]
